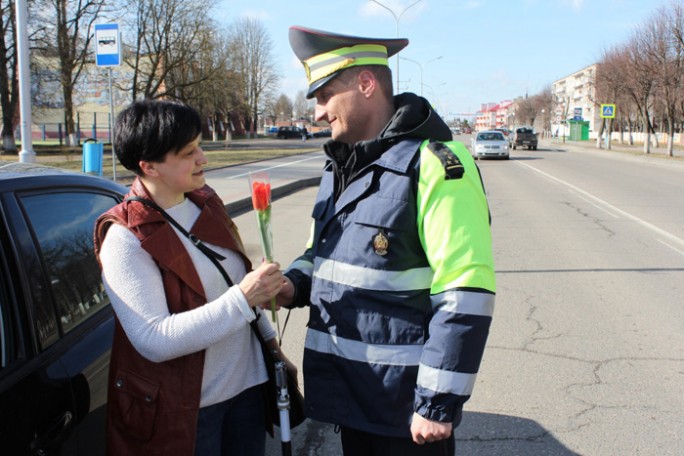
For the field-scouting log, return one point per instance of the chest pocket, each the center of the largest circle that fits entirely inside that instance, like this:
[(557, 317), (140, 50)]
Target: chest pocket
[(384, 232)]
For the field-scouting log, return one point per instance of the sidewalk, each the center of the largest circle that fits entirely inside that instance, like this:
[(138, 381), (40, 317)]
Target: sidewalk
[(286, 174), (616, 146)]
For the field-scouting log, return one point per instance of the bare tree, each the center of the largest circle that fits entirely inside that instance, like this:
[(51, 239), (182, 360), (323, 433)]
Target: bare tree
[(301, 106), (668, 56), (9, 86), (640, 79), (543, 104), (525, 111), (170, 37), (216, 95), (281, 109), (609, 85), (251, 49), (678, 37), (68, 36)]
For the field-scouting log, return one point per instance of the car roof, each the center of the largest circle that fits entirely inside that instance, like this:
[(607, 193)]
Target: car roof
[(22, 175)]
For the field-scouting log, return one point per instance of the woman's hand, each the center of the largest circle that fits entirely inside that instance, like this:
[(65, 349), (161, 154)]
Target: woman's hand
[(262, 284)]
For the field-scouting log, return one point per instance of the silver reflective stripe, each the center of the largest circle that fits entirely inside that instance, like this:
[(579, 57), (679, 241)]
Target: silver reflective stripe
[(305, 267), (442, 381), (468, 302), (372, 279), (344, 57), (393, 355)]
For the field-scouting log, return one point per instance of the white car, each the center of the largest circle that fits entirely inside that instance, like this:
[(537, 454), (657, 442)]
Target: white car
[(489, 144)]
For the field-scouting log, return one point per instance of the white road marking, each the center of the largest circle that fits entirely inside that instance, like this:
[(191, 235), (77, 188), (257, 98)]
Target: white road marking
[(669, 236), (276, 166)]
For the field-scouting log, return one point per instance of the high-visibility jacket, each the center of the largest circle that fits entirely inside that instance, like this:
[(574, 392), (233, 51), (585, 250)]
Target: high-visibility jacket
[(401, 278)]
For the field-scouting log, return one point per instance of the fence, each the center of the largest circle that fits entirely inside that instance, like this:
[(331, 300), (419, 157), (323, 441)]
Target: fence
[(98, 127)]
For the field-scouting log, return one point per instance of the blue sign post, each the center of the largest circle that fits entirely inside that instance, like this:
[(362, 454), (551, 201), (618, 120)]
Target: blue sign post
[(108, 54)]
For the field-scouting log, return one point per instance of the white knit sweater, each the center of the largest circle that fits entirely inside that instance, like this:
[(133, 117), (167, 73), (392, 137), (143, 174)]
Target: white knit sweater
[(233, 360)]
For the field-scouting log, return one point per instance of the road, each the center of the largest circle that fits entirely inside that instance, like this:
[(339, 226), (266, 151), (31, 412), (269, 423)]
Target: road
[(586, 352)]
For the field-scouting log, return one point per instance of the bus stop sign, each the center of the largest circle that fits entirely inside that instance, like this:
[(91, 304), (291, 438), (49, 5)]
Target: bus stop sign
[(107, 45)]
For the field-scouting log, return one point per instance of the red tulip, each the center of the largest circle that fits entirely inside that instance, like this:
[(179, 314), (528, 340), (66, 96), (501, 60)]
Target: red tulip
[(261, 195)]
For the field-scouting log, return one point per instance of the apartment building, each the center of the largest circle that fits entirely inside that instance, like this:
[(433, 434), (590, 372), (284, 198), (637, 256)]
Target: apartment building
[(574, 97)]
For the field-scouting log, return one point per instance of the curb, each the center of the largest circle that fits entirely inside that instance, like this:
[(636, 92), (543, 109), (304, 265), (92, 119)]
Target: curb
[(243, 205)]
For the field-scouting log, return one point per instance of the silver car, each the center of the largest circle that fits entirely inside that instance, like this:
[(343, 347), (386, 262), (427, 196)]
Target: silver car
[(489, 144)]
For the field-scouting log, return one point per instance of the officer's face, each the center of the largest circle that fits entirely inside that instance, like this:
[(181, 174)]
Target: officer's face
[(341, 103)]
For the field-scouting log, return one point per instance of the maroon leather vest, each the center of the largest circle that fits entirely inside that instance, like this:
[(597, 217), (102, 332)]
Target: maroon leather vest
[(152, 407)]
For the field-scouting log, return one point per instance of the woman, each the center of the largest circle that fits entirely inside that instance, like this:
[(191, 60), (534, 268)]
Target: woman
[(186, 368)]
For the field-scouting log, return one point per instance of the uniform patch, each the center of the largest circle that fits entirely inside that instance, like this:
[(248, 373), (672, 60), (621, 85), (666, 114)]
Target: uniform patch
[(453, 168)]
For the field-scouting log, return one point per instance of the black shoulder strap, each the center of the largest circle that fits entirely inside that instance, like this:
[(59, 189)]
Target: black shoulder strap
[(453, 168), (215, 257)]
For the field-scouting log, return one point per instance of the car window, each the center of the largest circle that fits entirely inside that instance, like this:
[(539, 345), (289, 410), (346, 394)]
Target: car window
[(491, 136), (63, 224)]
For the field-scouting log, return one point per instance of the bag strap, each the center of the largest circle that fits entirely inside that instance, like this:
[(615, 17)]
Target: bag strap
[(215, 257)]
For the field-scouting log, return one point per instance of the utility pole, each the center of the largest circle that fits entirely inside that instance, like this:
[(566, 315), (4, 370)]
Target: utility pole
[(396, 18)]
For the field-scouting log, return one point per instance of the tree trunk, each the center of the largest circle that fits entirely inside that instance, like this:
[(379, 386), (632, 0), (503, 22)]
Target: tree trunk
[(599, 138), (69, 125), (670, 136), (647, 133)]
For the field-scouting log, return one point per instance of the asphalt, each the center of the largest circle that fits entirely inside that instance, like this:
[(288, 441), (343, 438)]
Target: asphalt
[(286, 174), (293, 173)]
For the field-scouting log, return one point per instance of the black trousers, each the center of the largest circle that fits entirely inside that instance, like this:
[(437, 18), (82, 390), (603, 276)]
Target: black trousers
[(359, 443)]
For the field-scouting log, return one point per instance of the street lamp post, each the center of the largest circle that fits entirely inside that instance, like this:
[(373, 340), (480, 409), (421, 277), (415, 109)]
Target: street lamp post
[(396, 18), (27, 153), (420, 67)]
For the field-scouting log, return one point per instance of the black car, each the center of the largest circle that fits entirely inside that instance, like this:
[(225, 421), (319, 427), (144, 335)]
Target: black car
[(56, 323), (327, 133), (291, 132)]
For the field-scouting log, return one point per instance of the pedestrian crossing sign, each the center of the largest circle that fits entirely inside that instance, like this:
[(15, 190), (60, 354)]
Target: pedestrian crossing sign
[(607, 111)]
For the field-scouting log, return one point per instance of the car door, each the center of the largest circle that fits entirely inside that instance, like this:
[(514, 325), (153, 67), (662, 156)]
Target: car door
[(56, 324)]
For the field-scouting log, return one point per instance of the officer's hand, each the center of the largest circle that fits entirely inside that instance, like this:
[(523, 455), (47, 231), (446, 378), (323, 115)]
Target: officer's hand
[(424, 430), (287, 292)]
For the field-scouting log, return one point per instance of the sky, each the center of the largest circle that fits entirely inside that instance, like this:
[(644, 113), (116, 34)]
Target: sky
[(466, 52)]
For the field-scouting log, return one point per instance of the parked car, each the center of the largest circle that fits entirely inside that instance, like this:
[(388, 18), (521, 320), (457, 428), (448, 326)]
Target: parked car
[(56, 323), (489, 144), (327, 133), (288, 132)]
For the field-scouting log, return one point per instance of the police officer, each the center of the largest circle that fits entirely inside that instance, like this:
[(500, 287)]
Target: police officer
[(398, 273)]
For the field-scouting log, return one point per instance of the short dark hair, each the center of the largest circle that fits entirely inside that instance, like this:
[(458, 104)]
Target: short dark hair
[(149, 129), (382, 73)]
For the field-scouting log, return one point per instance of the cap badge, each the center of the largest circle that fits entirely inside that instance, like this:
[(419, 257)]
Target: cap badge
[(380, 243)]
